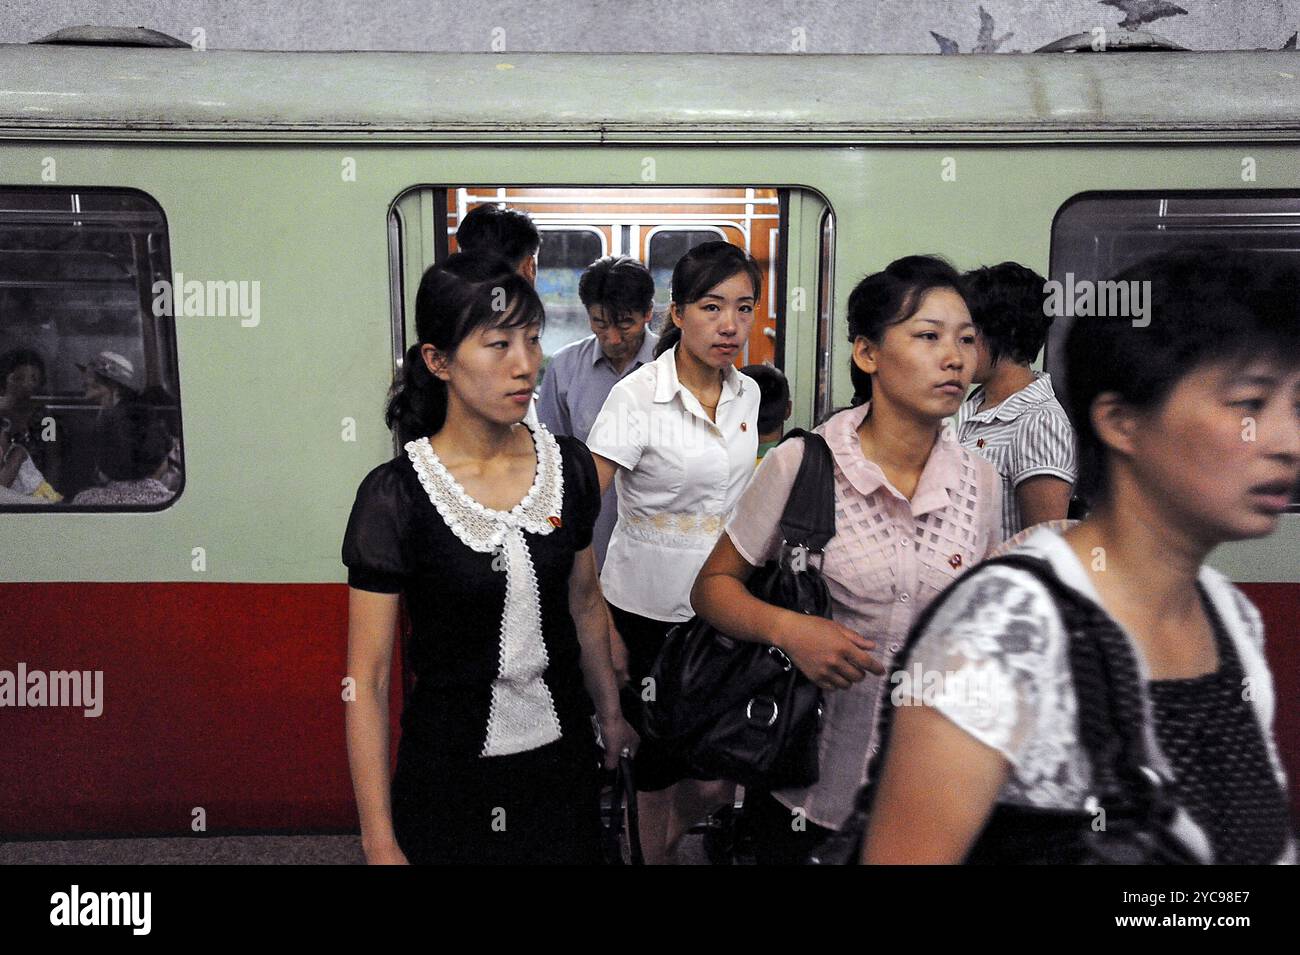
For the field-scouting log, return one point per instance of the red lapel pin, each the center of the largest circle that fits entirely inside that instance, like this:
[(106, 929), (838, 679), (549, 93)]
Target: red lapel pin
[(955, 561), (555, 521)]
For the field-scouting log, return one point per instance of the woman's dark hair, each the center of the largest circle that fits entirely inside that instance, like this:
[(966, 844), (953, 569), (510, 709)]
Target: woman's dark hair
[(1204, 306), (131, 440), (16, 358), (890, 297), (702, 268), (493, 229), (456, 298), (619, 284), (1006, 305), (773, 395)]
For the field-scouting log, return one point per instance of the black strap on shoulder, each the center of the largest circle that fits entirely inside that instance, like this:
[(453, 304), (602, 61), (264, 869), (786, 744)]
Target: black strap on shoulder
[(1104, 674), (809, 516)]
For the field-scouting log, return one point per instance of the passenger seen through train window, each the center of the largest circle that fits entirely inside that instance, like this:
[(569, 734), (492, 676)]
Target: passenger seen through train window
[(22, 375), (132, 446), (110, 378)]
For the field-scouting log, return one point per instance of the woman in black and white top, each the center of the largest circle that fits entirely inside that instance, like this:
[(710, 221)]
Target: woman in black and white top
[(484, 524), (1189, 436)]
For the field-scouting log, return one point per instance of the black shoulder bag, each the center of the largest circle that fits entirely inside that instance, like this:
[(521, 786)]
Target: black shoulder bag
[(1138, 809), (732, 709)]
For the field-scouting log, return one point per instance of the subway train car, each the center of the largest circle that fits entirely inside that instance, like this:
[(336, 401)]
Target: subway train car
[(241, 236)]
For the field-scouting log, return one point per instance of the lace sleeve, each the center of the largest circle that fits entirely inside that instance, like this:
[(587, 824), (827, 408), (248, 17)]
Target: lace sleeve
[(994, 661)]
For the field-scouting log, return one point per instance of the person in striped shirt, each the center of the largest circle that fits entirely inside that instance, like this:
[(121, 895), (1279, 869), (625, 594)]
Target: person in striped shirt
[(1013, 418)]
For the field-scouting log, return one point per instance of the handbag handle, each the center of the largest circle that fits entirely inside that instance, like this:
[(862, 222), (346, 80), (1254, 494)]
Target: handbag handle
[(809, 516), (623, 797)]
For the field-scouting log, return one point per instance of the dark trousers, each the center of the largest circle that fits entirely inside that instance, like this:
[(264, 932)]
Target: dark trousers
[(772, 827), (655, 769)]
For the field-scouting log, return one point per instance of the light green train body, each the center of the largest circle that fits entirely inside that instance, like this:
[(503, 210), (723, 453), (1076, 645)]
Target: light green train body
[(245, 154)]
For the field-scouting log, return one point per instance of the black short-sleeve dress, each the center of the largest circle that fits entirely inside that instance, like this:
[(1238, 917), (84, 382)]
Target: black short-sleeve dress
[(497, 761)]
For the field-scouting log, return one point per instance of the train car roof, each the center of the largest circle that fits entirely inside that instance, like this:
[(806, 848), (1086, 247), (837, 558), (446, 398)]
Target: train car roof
[(96, 92)]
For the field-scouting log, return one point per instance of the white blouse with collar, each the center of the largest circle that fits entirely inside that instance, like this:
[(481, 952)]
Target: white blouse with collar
[(679, 477)]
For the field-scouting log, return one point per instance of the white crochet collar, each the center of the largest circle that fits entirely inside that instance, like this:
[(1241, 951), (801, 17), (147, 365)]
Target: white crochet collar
[(482, 528)]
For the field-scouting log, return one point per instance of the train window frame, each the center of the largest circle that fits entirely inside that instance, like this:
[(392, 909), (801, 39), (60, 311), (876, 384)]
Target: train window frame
[(1053, 359), (158, 334)]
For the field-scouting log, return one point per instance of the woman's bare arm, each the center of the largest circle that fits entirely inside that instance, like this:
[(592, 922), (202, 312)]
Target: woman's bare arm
[(591, 617), (1042, 498), (937, 788), (829, 654), (605, 471), (372, 623)]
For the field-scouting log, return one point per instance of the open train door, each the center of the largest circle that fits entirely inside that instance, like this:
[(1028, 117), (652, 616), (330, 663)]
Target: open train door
[(806, 257)]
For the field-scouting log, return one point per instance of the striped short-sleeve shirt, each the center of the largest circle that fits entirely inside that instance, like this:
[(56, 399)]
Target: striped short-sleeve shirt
[(1025, 436)]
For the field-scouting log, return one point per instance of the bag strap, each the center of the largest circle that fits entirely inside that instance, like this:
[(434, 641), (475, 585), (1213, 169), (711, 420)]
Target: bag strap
[(623, 796), (1107, 687), (809, 516), (627, 782), (1107, 690)]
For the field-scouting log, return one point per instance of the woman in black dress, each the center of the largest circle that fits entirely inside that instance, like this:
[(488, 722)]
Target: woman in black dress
[(484, 525)]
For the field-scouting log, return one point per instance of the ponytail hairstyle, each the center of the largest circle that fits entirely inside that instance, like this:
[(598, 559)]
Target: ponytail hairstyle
[(889, 298), (699, 270), (463, 295)]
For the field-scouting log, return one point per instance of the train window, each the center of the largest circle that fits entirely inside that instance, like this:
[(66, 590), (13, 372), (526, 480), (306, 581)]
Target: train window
[(665, 246), (1095, 235), (564, 255), (89, 396)]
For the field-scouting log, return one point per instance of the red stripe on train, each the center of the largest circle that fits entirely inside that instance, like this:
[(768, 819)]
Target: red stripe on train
[(227, 697), (224, 697)]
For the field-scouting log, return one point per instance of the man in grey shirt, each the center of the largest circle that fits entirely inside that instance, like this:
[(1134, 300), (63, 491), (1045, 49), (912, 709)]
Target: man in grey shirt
[(618, 294)]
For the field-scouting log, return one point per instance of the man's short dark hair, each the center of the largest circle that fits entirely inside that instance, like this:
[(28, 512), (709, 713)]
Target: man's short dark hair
[(1006, 305), (773, 396), (619, 284), (500, 230)]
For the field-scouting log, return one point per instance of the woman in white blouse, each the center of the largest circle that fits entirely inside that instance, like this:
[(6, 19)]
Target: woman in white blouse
[(678, 436)]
